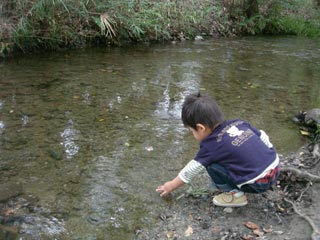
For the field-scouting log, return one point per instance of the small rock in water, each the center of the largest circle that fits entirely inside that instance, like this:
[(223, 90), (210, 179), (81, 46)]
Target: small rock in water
[(149, 148), (198, 38), (54, 154), (95, 219)]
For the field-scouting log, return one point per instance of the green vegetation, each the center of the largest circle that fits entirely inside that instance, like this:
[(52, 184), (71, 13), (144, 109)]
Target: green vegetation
[(294, 17), (31, 25)]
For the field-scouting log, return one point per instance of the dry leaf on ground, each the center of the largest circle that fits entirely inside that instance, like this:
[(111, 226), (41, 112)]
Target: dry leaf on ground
[(188, 232), (170, 234), (258, 232), (251, 225), (248, 237)]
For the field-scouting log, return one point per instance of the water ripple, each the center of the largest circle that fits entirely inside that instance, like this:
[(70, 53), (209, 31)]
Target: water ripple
[(2, 127), (70, 135), (39, 226), (25, 120)]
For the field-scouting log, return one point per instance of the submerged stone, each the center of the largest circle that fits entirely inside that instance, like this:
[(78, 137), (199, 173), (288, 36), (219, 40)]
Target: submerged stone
[(9, 190), (54, 154)]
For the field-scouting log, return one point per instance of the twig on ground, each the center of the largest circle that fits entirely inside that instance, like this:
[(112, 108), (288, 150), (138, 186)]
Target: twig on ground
[(279, 218), (308, 186), (316, 233), (299, 173), (313, 164)]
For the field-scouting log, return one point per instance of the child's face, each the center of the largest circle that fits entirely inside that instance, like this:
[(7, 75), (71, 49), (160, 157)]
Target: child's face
[(201, 132)]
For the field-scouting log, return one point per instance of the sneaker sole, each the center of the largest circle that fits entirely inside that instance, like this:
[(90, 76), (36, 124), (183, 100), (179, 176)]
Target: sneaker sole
[(229, 205)]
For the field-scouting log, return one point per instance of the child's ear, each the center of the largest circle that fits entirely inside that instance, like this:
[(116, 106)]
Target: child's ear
[(200, 127)]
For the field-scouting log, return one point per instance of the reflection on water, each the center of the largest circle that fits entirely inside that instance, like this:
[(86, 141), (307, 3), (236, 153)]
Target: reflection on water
[(170, 104), (86, 97), (25, 120), (69, 136), (1, 127), (1, 122), (91, 133)]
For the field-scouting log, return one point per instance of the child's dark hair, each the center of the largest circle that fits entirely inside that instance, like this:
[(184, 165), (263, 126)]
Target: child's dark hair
[(201, 109)]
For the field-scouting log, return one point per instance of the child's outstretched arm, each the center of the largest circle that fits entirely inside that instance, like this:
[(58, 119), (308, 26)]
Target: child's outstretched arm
[(168, 187), (185, 175)]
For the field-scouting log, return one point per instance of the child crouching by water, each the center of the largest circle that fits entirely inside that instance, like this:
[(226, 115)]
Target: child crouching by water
[(238, 157)]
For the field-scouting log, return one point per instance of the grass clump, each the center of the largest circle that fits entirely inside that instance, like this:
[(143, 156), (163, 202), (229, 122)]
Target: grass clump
[(294, 17)]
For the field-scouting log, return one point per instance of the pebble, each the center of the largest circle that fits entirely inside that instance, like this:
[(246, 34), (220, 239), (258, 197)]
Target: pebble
[(228, 210), (198, 38)]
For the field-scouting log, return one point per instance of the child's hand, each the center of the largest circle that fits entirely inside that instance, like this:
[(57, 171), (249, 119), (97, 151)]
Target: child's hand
[(168, 187), (164, 189)]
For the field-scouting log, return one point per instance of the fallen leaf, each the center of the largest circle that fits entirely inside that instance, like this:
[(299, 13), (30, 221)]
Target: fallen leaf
[(188, 232), (248, 237), (281, 209), (170, 234), (304, 133), (216, 229), (8, 212), (251, 225)]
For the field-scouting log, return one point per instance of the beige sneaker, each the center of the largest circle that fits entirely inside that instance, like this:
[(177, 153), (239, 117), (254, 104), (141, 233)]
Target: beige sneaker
[(228, 199)]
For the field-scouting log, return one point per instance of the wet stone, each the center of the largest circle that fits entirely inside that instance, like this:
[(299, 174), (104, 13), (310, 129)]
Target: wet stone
[(55, 154), (95, 219), (205, 224)]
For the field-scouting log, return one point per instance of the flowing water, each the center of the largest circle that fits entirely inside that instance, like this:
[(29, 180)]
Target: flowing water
[(90, 134)]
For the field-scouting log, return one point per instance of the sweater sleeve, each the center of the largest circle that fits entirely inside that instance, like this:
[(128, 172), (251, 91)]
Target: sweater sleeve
[(265, 138), (190, 170)]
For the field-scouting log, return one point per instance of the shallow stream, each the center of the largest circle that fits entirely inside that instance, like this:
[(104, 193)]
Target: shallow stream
[(90, 134)]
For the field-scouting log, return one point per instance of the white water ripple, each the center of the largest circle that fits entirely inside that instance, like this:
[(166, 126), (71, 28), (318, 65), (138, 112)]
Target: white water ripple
[(69, 136)]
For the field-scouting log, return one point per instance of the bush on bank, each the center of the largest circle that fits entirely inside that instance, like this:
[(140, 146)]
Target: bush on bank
[(31, 25)]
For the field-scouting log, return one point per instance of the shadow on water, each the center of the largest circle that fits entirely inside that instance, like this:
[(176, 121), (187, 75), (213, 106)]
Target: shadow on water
[(89, 134)]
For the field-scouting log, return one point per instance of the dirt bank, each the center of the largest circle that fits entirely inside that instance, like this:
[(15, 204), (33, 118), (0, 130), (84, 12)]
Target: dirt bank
[(287, 212)]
